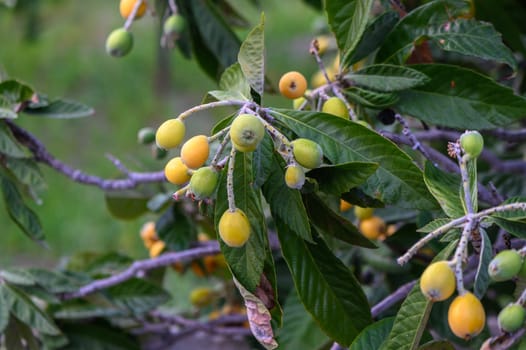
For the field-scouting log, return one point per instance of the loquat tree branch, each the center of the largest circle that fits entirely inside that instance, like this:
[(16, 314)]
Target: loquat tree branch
[(42, 155)]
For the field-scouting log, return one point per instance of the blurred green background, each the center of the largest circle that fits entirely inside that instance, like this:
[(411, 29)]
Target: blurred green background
[(60, 51)]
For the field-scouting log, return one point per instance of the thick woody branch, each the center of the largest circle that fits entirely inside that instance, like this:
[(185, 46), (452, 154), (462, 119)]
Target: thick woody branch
[(42, 155)]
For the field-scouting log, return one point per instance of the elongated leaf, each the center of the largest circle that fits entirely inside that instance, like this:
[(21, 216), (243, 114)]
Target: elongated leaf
[(81, 310), (299, 330), (333, 224), (175, 229), (397, 181), (516, 228), (62, 109), (422, 22), (387, 77), (433, 225), (234, 81), (370, 98), (251, 57), (482, 278), (461, 98), (512, 214), (4, 313), (284, 201), (348, 20), (246, 262), (374, 335), (138, 295), (23, 216), (326, 287), (98, 337), (263, 161), (445, 188), (17, 276), (8, 144), (26, 311), (126, 205), (54, 281), (437, 345), (340, 178), (26, 171), (374, 35), (13, 91), (19, 336)]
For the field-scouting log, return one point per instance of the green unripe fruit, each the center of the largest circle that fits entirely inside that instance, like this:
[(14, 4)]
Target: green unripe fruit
[(511, 318), (363, 213), (307, 153), (335, 106), (522, 271), (174, 24), (505, 265), (438, 282), (145, 136), (119, 42), (170, 134), (294, 177), (158, 152), (246, 132), (472, 143), (203, 182)]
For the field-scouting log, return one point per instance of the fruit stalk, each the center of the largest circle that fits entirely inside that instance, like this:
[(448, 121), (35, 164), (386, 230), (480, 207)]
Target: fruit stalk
[(230, 181), (131, 17), (407, 132), (210, 105), (460, 253), (221, 147)]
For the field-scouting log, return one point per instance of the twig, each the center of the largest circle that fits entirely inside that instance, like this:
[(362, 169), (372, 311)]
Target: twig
[(140, 266), (41, 154), (132, 15), (407, 132)]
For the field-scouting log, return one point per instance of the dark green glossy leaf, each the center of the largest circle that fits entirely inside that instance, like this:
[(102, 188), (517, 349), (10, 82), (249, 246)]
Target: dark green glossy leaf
[(13, 91), (437, 345), (339, 178), (348, 20), (374, 35), (98, 337), (516, 228), (17, 275), (22, 215), (251, 57), (26, 171), (369, 98), (387, 77), (482, 278), (445, 188), (299, 330), (8, 144), (515, 215), (126, 205), (26, 311), (263, 161), (176, 229), (326, 287), (461, 98), (19, 336), (81, 310), (397, 181), (4, 313), (374, 335), (246, 262), (62, 109), (105, 264), (333, 224), (138, 295)]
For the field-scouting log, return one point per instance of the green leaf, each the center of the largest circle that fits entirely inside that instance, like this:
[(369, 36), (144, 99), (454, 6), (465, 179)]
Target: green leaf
[(374, 35), (461, 98), (105, 264), (398, 181), (6, 113), (482, 278), (348, 20), (19, 276), (23, 216), (263, 160), (18, 336), (26, 171), (422, 22), (246, 262), (138, 295), (61, 109), (285, 202), (4, 313), (512, 214), (175, 228), (26, 311), (54, 281), (299, 330), (437, 345), (326, 287), (234, 81), (251, 57), (333, 224), (516, 228), (126, 205), (387, 77), (8, 144), (82, 310), (370, 98), (98, 337), (433, 225), (374, 335), (340, 178), (13, 91), (445, 188)]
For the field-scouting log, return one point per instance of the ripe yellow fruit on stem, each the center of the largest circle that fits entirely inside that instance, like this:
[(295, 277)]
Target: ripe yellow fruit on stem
[(156, 249), (294, 177), (466, 316), (292, 85), (148, 234), (176, 171), (234, 228), (170, 134), (373, 227), (438, 282), (335, 106), (344, 205), (126, 8), (195, 151)]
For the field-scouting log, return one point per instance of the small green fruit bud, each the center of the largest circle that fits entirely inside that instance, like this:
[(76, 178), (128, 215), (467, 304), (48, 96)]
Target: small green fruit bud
[(511, 318), (174, 24), (307, 153), (472, 143), (146, 136), (203, 182), (246, 132), (119, 42), (294, 177), (505, 265), (158, 152)]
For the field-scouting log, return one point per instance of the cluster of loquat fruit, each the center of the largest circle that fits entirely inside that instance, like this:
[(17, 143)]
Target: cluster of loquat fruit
[(120, 41)]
